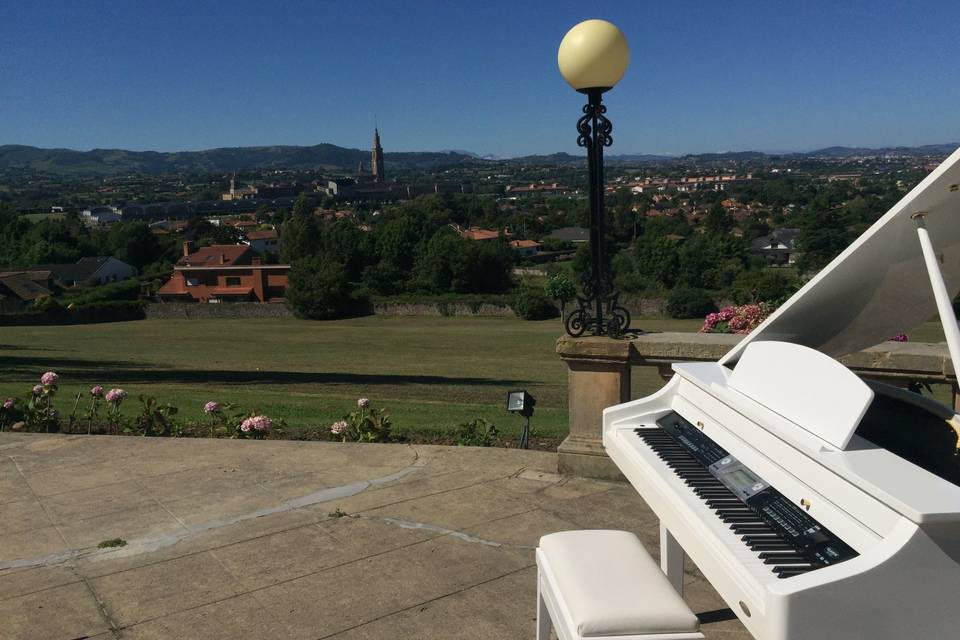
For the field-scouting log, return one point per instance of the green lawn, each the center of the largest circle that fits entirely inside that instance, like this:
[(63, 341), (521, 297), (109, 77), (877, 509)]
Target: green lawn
[(430, 373)]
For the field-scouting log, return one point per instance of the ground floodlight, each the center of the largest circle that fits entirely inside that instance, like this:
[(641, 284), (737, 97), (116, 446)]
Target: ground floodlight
[(522, 402)]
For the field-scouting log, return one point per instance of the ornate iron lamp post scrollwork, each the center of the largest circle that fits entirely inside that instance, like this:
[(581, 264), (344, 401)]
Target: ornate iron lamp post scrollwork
[(593, 56)]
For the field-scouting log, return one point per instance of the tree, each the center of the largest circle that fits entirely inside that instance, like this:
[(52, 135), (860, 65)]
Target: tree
[(442, 265), (13, 228), (344, 242), (318, 289), (135, 244), (823, 235), (301, 232), (561, 289), (718, 220), (711, 261)]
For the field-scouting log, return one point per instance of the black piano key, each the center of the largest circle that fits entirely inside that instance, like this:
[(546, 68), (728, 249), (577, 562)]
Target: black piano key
[(787, 572), (786, 560), (759, 548), (775, 555), (754, 537), (743, 529), (719, 503)]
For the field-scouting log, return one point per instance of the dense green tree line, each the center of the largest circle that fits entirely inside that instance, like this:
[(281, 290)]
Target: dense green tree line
[(410, 248)]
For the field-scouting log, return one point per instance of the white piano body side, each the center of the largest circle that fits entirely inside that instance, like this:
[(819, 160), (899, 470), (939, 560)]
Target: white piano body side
[(902, 521)]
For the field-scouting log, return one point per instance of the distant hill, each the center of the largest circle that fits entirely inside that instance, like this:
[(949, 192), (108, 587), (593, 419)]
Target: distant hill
[(331, 157), (846, 152), (228, 159)]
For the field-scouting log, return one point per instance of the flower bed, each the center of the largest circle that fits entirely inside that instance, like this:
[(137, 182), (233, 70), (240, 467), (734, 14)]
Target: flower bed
[(736, 319)]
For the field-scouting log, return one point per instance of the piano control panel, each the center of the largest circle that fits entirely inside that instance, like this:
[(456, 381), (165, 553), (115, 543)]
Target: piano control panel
[(778, 529)]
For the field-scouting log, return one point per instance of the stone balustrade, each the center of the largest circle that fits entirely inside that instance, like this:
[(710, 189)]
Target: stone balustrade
[(599, 376)]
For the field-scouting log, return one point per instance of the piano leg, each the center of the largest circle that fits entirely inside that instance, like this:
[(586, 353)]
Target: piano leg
[(671, 559), (543, 615)]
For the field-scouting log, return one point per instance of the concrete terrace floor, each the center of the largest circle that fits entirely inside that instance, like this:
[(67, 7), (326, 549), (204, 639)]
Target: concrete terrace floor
[(246, 539)]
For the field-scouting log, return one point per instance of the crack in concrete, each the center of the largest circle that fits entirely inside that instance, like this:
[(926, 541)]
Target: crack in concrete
[(407, 524), (154, 543)]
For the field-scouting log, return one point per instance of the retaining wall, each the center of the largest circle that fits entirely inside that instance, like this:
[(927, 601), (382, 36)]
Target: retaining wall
[(169, 310)]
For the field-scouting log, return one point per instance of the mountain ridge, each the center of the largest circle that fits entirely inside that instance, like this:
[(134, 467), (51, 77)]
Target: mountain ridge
[(328, 156)]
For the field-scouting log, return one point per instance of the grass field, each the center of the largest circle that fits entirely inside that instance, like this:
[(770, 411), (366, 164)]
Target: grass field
[(430, 373)]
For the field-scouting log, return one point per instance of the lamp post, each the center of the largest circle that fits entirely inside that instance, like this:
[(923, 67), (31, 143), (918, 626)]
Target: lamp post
[(593, 56)]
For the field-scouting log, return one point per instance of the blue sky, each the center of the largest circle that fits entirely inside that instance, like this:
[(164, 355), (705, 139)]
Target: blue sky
[(480, 76)]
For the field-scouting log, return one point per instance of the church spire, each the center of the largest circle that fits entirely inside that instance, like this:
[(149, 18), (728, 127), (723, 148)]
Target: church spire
[(376, 157)]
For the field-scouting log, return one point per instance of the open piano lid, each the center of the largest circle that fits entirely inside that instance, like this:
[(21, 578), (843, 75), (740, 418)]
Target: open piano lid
[(878, 287)]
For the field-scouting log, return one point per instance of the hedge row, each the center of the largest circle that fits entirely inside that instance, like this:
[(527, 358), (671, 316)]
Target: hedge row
[(116, 311)]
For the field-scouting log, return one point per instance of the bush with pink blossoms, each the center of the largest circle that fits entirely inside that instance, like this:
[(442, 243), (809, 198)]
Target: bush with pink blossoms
[(255, 427), (116, 396), (8, 414), (40, 412), (736, 319), (900, 337), (367, 424), (340, 428), (211, 407)]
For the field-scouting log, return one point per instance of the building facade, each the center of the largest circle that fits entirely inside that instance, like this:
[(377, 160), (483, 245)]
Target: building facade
[(225, 273)]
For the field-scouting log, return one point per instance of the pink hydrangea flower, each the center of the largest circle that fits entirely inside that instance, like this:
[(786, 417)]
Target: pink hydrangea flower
[(211, 407), (49, 379), (363, 403), (37, 389), (115, 396), (339, 427), (97, 391), (8, 403), (259, 423)]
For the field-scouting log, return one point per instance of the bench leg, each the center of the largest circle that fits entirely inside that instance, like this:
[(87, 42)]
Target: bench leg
[(671, 559), (543, 616)]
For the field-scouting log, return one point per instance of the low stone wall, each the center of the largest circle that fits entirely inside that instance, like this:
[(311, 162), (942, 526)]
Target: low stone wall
[(645, 306), (233, 310), (441, 309), (171, 310)]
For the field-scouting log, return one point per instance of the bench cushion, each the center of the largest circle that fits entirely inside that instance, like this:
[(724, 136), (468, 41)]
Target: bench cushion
[(611, 586)]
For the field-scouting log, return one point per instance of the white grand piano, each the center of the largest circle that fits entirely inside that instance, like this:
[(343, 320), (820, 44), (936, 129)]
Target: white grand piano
[(818, 505)]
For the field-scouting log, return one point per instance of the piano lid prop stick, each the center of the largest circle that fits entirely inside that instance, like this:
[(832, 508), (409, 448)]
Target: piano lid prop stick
[(944, 301)]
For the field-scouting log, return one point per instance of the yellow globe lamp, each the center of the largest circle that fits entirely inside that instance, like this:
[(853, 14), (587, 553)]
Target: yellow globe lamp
[(593, 55)]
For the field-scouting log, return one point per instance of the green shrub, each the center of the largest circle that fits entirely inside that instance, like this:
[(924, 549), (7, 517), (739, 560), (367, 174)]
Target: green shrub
[(687, 302), (533, 304), (764, 285), (477, 433), (124, 290), (319, 290), (51, 313)]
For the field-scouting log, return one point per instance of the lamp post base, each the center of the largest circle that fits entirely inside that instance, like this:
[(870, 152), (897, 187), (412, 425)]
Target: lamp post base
[(614, 322)]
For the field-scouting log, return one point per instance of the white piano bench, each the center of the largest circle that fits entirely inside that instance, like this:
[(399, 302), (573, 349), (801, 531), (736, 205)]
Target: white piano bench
[(603, 585)]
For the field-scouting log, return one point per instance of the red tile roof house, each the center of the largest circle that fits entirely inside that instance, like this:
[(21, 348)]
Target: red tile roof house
[(476, 233), (525, 248), (225, 273)]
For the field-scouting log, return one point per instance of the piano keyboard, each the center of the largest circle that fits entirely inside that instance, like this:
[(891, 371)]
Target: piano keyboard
[(778, 532)]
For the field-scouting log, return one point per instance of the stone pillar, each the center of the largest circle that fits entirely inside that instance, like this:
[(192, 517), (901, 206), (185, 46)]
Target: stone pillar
[(598, 377)]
